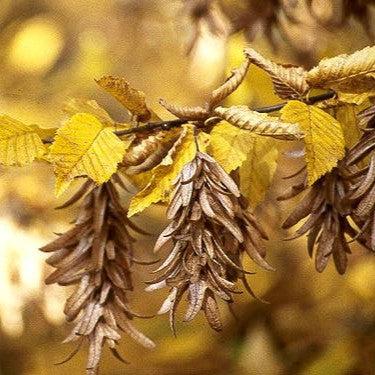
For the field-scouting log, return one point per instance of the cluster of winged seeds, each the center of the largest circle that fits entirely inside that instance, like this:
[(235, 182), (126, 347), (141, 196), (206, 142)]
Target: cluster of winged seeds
[(209, 231), (362, 189), (294, 20), (325, 208), (97, 255)]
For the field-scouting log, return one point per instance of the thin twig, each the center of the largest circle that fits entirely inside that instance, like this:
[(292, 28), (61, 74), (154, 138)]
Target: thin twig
[(311, 100), (169, 124), (165, 125)]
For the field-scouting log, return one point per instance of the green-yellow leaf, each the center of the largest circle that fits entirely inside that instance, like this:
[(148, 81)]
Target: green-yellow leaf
[(324, 138), (347, 73), (257, 170), (20, 144), (160, 186), (84, 146), (230, 145)]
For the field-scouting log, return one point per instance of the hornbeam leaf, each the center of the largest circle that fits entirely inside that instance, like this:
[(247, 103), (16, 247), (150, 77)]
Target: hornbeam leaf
[(358, 99), (160, 186), (255, 156), (230, 85), (44, 133), (132, 99), (288, 82), (77, 105), (259, 123), (257, 171), (84, 146), (20, 144), (346, 115), (324, 138), (229, 145), (346, 73)]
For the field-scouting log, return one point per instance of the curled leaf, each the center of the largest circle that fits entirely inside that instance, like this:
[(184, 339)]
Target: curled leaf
[(160, 186), (230, 85), (259, 123), (347, 73), (288, 82), (132, 99)]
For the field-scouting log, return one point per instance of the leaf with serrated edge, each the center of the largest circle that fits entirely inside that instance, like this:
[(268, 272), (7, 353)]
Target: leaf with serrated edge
[(346, 115), (229, 145), (324, 138), (132, 99), (357, 99), (347, 73), (20, 144), (160, 186), (257, 171), (84, 146), (259, 123), (78, 105), (288, 82)]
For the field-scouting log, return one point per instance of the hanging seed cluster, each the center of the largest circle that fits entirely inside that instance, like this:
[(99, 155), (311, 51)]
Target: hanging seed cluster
[(362, 189), (327, 223), (209, 231), (97, 255)]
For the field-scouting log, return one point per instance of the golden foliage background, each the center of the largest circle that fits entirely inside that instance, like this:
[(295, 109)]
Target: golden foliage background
[(53, 50)]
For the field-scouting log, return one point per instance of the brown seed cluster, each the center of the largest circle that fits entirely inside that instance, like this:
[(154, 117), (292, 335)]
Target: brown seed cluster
[(295, 21), (325, 208), (97, 255), (362, 189), (209, 231)]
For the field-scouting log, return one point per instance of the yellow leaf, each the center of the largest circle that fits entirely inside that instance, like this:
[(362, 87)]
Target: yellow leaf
[(141, 180), (203, 140), (259, 123), (132, 99), (44, 133), (159, 188), (76, 105), (20, 144), (324, 138), (257, 171), (256, 156), (288, 82), (346, 115), (357, 99), (84, 146), (229, 145), (347, 73), (363, 99)]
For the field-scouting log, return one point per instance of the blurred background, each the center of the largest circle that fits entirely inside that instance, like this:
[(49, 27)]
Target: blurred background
[(51, 51)]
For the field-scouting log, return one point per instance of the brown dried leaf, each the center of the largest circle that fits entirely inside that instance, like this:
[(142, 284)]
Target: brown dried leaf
[(288, 82), (131, 99)]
